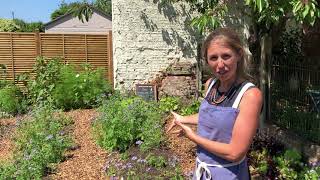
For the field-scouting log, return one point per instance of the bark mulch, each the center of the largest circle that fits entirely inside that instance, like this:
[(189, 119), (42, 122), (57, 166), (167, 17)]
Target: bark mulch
[(183, 148), (7, 129), (87, 159)]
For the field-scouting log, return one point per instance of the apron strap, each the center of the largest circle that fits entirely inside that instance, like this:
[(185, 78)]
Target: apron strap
[(210, 86), (243, 90), (203, 168)]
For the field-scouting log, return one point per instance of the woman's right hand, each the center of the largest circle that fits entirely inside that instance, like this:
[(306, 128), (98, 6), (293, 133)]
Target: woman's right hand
[(177, 117)]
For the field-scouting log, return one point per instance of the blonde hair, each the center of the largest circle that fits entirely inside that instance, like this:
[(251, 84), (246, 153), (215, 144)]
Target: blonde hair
[(232, 40)]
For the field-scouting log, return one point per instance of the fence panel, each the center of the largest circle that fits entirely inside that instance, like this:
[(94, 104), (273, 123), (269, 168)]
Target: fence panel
[(19, 50), (292, 105)]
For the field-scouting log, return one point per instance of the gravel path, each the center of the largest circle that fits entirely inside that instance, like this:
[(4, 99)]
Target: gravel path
[(7, 129), (87, 160)]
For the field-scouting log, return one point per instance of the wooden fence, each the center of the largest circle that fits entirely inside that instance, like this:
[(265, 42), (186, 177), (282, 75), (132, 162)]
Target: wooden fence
[(19, 50)]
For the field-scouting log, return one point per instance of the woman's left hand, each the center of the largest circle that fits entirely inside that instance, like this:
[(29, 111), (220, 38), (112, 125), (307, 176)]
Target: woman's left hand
[(184, 131)]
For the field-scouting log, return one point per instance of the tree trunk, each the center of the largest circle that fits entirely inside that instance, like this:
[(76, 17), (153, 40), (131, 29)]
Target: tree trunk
[(265, 62)]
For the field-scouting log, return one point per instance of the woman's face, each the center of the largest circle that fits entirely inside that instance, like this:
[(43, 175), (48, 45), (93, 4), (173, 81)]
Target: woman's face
[(222, 60)]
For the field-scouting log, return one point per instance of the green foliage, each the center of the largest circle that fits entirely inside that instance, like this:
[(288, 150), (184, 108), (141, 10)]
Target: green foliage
[(306, 11), (62, 86), (288, 163), (125, 120), (12, 101), (260, 161), (84, 10), (39, 141), (310, 174), (169, 103), (156, 161), (193, 108), (104, 5), (265, 13), (7, 170), (79, 90), (18, 25), (29, 27), (64, 8), (289, 48), (46, 77), (7, 25)]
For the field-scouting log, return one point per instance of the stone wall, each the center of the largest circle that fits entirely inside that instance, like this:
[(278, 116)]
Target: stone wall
[(179, 80), (147, 38)]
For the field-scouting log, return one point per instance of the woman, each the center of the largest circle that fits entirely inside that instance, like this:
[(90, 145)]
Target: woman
[(228, 116)]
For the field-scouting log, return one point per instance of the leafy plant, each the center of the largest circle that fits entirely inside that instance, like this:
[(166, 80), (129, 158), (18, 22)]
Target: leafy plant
[(190, 109), (260, 161), (156, 161), (12, 100), (169, 103), (80, 89), (39, 142), (288, 163), (310, 173), (125, 120), (46, 77)]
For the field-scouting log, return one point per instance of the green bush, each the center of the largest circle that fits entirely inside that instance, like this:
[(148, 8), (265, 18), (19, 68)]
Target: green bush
[(156, 161), (62, 86), (39, 142), (125, 120), (190, 109), (12, 100), (47, 73), (80, 90), (170, 103)]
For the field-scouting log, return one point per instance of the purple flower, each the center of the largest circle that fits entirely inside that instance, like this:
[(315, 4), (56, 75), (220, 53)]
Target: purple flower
[(50, 136), (139, 142)]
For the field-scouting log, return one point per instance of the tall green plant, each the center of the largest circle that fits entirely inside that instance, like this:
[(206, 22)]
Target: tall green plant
[(125, 120), (47, 73), (80, 89), (12, 100)]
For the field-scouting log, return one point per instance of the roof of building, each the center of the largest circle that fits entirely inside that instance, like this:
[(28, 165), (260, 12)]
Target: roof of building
[(70, 14)]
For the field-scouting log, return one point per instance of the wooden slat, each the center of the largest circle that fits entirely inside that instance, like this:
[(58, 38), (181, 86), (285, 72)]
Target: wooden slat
[(19, 50)]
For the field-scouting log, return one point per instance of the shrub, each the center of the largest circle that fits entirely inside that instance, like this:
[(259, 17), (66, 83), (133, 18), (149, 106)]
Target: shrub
[(12, 100), (190, 109), (62, 86), (125, 120), (39, 142), (80, 90), (47, 73), (170, 103)]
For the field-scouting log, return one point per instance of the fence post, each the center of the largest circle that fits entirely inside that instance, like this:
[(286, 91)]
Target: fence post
[(86, 47), (110, 59), (63, 49), (37, 43), (12, 58)]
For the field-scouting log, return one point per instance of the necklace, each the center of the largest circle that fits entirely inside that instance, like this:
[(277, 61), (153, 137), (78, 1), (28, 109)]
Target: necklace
[(223, 97), (220, 100)]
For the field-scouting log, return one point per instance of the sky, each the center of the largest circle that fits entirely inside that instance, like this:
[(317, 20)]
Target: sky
[(30, 10)]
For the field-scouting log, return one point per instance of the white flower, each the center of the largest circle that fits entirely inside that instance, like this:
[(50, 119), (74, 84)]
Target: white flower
[(77, 75)]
